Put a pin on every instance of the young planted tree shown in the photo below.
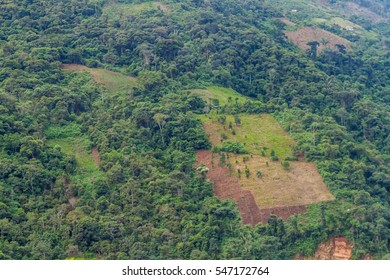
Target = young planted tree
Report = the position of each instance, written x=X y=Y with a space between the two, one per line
x=160 y=119
x=313 y=48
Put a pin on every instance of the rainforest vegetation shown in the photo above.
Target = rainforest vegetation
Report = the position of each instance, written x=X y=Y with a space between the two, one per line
x=97 y=171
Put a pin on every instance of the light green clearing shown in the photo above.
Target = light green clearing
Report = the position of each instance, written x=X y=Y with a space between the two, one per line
x=254 y=133
x=319 y=20
x=224 y=95
x=80 y=148
x=343 y=23
x=113 y=81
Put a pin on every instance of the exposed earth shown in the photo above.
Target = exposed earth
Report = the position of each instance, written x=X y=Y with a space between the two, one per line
x=307 y=34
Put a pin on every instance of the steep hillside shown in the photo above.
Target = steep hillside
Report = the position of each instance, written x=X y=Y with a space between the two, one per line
x=101 y=124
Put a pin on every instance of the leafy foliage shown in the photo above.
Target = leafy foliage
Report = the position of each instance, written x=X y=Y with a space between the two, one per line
x=146 y=201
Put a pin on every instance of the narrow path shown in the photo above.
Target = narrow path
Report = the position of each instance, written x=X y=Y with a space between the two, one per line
x=96 y=156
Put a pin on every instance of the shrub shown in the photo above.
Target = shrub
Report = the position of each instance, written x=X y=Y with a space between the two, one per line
x=286 y=165
x=236 y=148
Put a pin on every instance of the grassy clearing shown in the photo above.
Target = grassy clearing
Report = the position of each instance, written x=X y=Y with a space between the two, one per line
x=271 y=184
x=224 y=95
x=77 y=145
x=343 y=23
x=254 y=133
x=113 y=81
x=80 y=148
x=87 y=170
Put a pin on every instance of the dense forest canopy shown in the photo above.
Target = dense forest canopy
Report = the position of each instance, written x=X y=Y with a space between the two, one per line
x=144 y=199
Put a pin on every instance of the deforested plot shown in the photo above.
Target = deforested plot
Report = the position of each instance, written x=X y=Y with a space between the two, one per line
x=325 y=39
x=253 y=164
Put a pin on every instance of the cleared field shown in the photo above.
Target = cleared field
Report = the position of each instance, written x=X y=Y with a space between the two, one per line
x=79 y=147
x=228 y=186
x=259 y=186
x=301 y=184
x=342 y=23
x=87 y=159
x=113 y=81
x=224 y=95
x=307 y=34
x=116 y=10
x=254 y=133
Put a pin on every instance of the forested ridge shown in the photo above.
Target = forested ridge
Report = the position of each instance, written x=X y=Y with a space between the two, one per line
x=145 y=199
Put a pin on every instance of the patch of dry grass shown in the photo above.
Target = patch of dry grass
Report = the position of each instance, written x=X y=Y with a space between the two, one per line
x=278 y=187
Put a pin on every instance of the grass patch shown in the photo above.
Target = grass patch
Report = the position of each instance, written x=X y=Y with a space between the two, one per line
x=254 y=133
x=319 y=20
x=80 y=148
x=115 y=82
x=223 y=95
x=344 y=23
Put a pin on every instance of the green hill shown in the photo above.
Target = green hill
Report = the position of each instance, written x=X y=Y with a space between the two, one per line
x=101 y=123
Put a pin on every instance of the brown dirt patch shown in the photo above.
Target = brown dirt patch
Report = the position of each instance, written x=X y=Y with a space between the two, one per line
x=338 y=248
x=96 y=156
x=307 y=34
x=226 y=186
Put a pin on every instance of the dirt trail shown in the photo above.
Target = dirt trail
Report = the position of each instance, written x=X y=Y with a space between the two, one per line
x=96 y=156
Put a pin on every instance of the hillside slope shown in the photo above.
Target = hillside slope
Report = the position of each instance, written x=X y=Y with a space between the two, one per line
x=97 y=165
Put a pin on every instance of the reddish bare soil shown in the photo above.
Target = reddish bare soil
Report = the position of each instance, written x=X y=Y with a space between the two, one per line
x=96 y=156
x=338 y=248
x=228 y=187
x=307 y=34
